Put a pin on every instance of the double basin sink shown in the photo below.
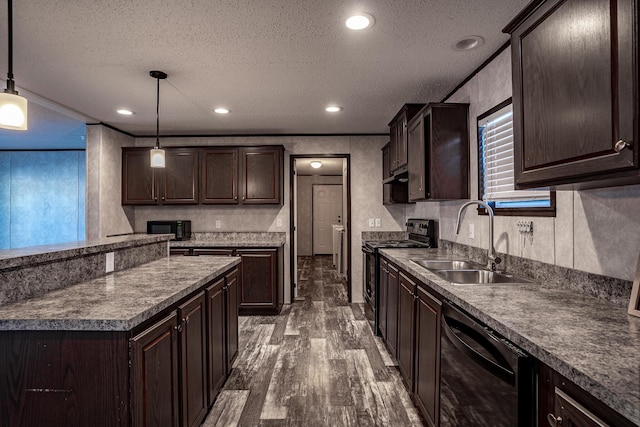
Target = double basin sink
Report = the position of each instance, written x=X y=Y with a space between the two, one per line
x=462 y=272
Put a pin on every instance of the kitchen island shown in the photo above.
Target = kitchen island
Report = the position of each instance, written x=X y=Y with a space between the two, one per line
x=592 y=343
x=143 y=345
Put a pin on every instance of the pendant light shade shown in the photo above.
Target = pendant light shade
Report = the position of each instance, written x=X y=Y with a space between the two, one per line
x=13 y=107
x=157 y=158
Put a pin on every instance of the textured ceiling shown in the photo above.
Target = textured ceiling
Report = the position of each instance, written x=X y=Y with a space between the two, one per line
x=275 y=63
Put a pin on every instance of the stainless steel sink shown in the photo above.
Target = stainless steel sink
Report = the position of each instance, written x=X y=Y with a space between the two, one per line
x=479 y=277
x=445 y=264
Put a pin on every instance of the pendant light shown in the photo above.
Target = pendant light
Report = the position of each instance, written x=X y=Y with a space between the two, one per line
x=13 y=107
x=157 y=153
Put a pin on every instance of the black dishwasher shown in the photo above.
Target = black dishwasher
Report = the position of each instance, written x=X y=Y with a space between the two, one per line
x=484 y=379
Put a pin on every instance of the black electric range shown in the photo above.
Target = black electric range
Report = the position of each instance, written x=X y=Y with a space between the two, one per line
x=421 y=234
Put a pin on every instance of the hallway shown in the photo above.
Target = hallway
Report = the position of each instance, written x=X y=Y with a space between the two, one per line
x=316 y=364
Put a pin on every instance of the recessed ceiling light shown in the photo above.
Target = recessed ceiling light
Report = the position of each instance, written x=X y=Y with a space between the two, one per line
x=316 y=164
x=468 y=43
x=333 y=109
x=222 y=110
x=125 y=112
x=360 y=21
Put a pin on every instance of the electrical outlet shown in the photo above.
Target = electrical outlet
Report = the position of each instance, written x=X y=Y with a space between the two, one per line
x=278 y=222
x=378 y=222
x=218 y=223
x=472 y=231
x=110 y=262
x=372 y=223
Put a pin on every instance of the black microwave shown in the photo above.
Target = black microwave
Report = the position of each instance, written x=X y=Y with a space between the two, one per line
x=181 y=229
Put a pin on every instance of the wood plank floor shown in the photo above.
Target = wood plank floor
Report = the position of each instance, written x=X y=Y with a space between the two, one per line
x=316 y=364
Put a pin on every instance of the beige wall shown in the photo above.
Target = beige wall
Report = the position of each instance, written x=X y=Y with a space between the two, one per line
x=305 y=209
x=104 y=214
x=594 y=230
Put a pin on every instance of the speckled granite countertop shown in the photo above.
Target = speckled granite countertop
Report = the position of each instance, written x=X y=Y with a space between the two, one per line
x=116 y=302
x=233 y=240
x=11 y=258
x=592 y=342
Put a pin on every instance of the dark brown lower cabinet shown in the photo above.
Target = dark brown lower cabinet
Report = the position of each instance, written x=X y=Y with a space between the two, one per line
x=383 y=297
x=406 y=319
x=261 y=282
x=154 y=375
x=232 y=312
x=562 y=403
x=427 y=356
x=393 y=285
x=154 y=366
x=415 y=314
x=193 y=360
x=216 y=338
x=222 y=321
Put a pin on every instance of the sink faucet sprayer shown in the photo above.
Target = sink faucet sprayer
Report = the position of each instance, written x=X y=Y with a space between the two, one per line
x=492 y=258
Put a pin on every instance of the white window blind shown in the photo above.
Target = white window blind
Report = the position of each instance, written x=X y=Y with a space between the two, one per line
x=497 y=160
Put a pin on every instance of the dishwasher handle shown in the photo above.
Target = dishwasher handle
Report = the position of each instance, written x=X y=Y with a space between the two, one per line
x=503 y=372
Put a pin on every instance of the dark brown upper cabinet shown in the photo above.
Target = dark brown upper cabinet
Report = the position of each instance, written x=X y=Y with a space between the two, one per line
x=247 y=175
x=575 y=94
x=439 y=153
x=175 y=184
x=219 y=176
x=393 y=192
x=398 y=135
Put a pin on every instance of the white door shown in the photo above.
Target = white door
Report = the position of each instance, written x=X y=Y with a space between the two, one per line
x=327 y=210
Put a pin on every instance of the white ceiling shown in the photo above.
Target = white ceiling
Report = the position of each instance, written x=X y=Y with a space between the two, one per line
x=275 y=63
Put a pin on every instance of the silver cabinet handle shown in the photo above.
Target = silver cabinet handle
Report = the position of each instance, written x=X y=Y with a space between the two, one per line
x=621 y=145
x=178 y=328
x=554 y=421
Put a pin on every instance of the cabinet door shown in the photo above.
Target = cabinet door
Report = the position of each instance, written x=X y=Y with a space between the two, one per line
x=193 y=368
x=401 y=141
x=154 y=374
x=138 y=179
x=217 y=351
x=446 y=133
x=574 y=414
x=573 y=94
x=383 y=299
x=406 y=315
x=179 y=177
x=219 y=169
x=416 y=164
x=232 y=284
x=427 y=350
x=392 y=310
x=261 y=171
x=258 y=290
x=393 y=146
x=386 y=161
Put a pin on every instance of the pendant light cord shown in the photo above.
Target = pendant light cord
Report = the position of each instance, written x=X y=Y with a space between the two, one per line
x=157 y=113
x=10 y=83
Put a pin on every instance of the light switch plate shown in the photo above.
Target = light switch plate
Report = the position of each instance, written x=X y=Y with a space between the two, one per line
x=218 y=223
x=371 y=223
x=110 y=262
x=377 y=222
x=278 y=222
x=472 y=231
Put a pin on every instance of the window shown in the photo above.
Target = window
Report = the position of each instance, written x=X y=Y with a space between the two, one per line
x=495 y=168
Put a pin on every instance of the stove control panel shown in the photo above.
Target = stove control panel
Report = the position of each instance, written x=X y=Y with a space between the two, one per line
x=422 y=227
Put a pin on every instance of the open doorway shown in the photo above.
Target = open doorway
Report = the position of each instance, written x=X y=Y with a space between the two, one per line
x=321 y=213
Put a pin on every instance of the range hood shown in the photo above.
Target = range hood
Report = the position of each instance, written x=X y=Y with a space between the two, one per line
x=401 y=175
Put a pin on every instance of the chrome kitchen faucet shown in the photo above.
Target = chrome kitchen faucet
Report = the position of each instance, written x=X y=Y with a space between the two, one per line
x=492 y=258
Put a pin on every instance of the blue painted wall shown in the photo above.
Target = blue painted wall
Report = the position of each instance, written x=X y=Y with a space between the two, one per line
x=42 y=197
